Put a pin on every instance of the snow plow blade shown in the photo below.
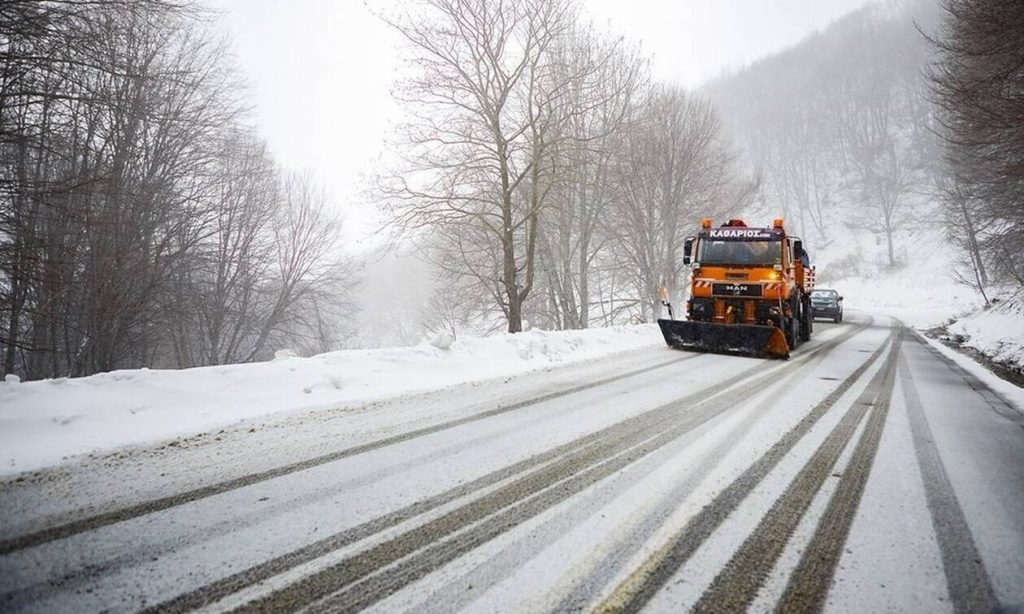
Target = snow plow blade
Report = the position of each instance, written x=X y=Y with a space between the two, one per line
x=740 y=339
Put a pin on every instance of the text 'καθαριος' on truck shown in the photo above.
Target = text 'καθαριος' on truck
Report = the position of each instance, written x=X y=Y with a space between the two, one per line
x=749 y=292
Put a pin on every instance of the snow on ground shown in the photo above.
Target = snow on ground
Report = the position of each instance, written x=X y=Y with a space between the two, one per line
x=1008 y=390
x=925 y=293
x=996 y=331
x=922 y=293
x=43 y=422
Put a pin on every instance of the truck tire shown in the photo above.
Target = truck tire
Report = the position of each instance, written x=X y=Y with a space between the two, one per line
x=793 y=324
x=806 y=319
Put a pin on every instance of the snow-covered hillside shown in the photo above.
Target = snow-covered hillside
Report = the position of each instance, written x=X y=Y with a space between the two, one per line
x=925 y=292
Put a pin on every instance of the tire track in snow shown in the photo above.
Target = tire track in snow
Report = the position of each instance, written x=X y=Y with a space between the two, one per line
x=433 y=550
x=604 y=570
x=970 y=589
x=638 y=589
x=454 y=597
x=90 y=523
x=425 y=546
x=88 y=574
x=561 y=475
x=324 y=546
x=809 y=583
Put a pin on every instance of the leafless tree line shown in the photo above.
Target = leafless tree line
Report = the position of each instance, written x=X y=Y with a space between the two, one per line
x=901 y=115
x=839 y=126
x=978 y=83
x=542 y=170
x=141 y=222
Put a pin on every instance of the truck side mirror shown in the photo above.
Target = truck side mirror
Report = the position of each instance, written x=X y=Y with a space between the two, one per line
x=687 y=251
x=798 y=249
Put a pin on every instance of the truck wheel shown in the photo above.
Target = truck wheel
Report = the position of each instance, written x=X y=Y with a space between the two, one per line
x=806 y=320
x=793 y=324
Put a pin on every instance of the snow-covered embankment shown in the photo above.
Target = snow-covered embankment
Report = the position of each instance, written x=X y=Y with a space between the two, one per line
x=43 y=422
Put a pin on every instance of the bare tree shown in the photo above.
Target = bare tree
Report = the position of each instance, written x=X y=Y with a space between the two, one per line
x=676 y=169
x=600 y=105
x=962 y=221
x=216 y=298
x=306 y=262
x=114 y=139
x=140 y=224
x=484 y=120
x=976 y=84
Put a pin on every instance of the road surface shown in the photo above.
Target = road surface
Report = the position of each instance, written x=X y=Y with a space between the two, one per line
x=866 y=473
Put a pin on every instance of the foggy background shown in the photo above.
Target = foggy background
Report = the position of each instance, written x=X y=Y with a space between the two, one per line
x=321 y=75
x=198 y=183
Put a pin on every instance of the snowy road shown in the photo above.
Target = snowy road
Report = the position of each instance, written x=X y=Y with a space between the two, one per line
x=867 y=473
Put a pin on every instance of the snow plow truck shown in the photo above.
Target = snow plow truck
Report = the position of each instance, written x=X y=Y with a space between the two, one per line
x=749 y=292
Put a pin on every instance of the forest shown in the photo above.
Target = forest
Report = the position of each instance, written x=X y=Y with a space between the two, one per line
x=543 y=175
x=142 y=222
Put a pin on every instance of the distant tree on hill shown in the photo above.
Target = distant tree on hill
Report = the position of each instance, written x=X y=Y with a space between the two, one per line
x=839 y=126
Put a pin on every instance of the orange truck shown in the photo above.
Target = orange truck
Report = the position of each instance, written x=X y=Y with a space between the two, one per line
x=749 y=292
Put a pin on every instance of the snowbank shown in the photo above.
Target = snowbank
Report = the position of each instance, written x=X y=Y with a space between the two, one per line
x=45 y=421
x=996 y=331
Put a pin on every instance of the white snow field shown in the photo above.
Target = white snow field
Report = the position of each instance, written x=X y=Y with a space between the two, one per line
x=925 y=293
x=867 y=473
x=101 y=413
x=43 y=422
x=996 y=332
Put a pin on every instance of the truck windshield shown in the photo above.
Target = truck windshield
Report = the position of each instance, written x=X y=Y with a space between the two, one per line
x=740 y=253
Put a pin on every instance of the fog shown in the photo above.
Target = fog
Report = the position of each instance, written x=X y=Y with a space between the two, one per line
x=205 y=182
x=321 y=72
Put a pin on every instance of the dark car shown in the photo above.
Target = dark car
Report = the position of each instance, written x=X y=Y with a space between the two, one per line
x=826 y=303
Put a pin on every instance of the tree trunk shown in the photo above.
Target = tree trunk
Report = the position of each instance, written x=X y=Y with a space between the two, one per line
x=972 y=246
x=584 y=283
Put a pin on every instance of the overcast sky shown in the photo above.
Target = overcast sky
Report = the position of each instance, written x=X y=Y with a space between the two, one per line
x=321 y=70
